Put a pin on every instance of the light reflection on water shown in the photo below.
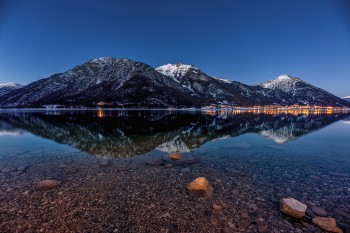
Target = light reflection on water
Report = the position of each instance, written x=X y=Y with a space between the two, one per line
x=129 y=133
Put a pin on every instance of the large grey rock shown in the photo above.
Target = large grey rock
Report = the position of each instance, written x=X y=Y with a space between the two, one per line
x=292 y=207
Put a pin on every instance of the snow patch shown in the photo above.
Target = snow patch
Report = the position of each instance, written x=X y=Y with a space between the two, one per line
x=174 y=70
x=188 y=86
x=285 y=83
x=10 y=85
x=222 y=80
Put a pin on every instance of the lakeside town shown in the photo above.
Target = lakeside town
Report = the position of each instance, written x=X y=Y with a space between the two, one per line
x=255 y=108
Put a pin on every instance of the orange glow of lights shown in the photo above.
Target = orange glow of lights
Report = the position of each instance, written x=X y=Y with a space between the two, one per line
x=100 y=113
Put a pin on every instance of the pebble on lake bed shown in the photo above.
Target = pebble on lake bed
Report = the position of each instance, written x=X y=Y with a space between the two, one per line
x=175 y=156
x=292 y=207
x=47 y=184
x=186 y=159
x=7 y=170
x=328 y=224
x=201 y=184
x=319 y=211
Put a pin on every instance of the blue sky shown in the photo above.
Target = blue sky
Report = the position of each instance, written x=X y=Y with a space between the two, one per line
x=249 y=40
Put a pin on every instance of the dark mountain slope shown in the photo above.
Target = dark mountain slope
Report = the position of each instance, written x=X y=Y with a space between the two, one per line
x=130 y=84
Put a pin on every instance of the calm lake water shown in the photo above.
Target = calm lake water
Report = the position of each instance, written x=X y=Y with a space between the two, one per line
x=114 y=177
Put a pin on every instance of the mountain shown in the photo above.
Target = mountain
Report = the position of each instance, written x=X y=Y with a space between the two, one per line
x=208 y=90
x=6 y=88
x=120 y=82
x=347 y=98
x=125 y=83
x=299 y=92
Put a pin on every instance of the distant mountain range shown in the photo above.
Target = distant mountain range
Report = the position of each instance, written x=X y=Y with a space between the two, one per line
x=6 y=88
x=129 y=84
x=347 y=98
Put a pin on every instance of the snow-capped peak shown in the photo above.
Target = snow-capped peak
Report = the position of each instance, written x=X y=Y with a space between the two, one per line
x=284 y=82
x=109 y=60
x=100 y=59
x=10 y=84
x=103 y=60
x=346 y=97
x=8 y=87
x=284 y=77
x=174 y=70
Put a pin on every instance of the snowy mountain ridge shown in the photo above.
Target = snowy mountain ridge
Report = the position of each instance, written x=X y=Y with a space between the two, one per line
x=11 y=84
x=125 y=83
x=6 y=88
x=222 y=80
x=175 y=71
x=284 y=82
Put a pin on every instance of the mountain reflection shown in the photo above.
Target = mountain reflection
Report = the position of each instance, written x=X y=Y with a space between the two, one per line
x=129 y=133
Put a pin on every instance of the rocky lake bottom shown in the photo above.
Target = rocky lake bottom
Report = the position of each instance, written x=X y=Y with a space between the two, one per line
x=148 y=193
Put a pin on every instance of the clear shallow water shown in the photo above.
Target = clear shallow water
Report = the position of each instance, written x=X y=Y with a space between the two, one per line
x=252 y=161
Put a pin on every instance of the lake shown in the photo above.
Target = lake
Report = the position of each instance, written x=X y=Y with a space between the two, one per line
x=114 y=173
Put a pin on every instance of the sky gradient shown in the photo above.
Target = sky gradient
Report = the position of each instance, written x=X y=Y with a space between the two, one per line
x=250 y=41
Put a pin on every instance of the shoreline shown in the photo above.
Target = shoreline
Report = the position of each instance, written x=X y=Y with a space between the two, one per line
x=226 y=110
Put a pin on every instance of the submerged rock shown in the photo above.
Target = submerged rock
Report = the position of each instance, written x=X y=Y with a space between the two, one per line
x=185 y=170
x=245 y=215
x=342 y=212
x=7 y=170
x=214 y=221
x=156 y=162
x=104 y=164
x=200 y=185
x=292 y=207
x=47 y=184
x=166 y=215
x=23 y=168
x=168 y=165
x=339 y=174
x=175 y=156
x=309 y=213
x=328 y=224
x=217 y=207
x=184 y=160
x=319 y=211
